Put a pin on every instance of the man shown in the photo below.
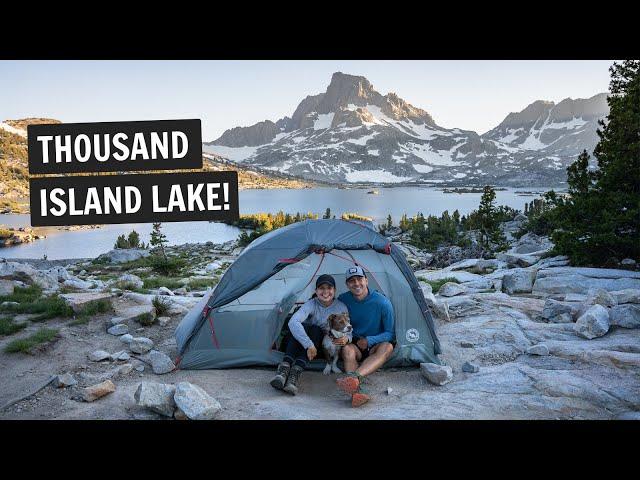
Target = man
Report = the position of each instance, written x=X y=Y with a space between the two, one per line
x=371 y=315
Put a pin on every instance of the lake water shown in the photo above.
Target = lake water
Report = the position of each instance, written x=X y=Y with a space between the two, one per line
x=395 y=201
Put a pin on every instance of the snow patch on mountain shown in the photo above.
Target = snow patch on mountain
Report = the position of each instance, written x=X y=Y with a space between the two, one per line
x=374 y=176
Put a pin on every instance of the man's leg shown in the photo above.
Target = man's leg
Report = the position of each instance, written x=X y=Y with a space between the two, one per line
x=350 y=355
x=380 y=353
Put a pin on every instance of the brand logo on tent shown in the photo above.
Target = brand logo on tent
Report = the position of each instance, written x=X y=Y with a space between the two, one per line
x=413 y=335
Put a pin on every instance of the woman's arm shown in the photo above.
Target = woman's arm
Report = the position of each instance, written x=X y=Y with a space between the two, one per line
x=295 y=324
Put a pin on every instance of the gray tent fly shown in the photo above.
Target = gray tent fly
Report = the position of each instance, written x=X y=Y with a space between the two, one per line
x=240 y=323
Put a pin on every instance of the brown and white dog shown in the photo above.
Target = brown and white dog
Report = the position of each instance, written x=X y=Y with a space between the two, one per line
x=338 y=326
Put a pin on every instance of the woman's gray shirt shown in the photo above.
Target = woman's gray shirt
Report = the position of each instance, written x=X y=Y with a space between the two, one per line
x=313 y=313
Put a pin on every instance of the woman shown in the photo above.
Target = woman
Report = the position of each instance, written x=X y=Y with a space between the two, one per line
x=307 y=338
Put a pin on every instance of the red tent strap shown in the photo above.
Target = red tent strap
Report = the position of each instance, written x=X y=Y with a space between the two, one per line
x=288 y=260
x=213 y=330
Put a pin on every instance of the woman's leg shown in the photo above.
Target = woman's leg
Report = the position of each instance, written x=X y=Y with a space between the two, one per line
x=296 y=354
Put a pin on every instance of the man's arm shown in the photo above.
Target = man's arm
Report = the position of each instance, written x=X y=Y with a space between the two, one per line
x=295 y=324
x=388 y=332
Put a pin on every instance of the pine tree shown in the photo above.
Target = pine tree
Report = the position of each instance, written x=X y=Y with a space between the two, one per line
x=389 y=222
x=327 y=213
x=158 y=239
x=578 y=175
x=600 y=223
x=487 y=221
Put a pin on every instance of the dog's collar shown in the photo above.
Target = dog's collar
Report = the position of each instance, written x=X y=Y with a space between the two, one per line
x=337 y=334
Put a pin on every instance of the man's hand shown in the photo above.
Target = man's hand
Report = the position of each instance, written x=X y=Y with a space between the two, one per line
x=312 y=352
x=342 y=341
x=362 y=343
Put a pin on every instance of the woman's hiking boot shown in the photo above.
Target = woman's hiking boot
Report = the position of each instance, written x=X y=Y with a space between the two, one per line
x=280 y=378
x=293 y=379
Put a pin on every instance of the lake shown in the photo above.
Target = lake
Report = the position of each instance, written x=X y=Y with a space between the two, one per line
x=395 y=201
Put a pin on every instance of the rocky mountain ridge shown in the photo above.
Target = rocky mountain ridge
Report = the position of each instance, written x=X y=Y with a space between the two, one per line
x=352 y=133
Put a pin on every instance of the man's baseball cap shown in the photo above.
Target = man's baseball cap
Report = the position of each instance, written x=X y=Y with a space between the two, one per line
x=325 y=279
x=354 y=272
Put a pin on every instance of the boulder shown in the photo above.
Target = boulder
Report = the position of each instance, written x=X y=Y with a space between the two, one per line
x=195 y=402
x=436 y=374
x=119 y=329
x=212 y=267
x=539 y=349
x=629 y=262
x=518 y=280
x=23 y=271
x=482 y=284
x=469 y=367
x=140 y=344
x=555 y=311
x=157 y=397
x=517 y=259
x=79 y=301
x=126 y=338
x=626 y=315
x=97 y=391
x=129 y=279
x=160 y=362
x=599 y=296
x=7 y=286
x=451 y=289
x=78 y=284
x=99 y=356
x=629 y=295
x=120 y=356
x=593 y=323
x=564 y=280
x=123 y=255
x=125 y=369
x=65 y=380
x=163 y=321
x=530 y=242
x=165 y=291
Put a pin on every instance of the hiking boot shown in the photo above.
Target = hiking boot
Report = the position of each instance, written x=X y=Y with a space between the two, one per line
x=281 y=375
x=359 y=398
x=293 y=379
x=349 y=384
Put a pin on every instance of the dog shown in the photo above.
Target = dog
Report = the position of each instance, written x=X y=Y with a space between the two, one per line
x=338 y=326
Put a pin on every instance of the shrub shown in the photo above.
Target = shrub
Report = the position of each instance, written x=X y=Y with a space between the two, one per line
x=436 y=284
x=7 y=326
x=161 y=304
x=25 y=345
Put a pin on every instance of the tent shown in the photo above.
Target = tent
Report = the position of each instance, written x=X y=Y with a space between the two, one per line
x=241 y=321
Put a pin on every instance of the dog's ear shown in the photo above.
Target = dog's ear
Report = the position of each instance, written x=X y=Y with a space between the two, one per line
x=330 y=319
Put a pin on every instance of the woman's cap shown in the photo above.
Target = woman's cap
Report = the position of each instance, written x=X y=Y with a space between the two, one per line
x=325 y=279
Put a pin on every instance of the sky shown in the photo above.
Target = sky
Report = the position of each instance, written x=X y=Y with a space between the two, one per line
x=471 y=95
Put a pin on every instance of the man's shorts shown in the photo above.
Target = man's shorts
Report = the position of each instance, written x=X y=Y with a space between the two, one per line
x=365 y=353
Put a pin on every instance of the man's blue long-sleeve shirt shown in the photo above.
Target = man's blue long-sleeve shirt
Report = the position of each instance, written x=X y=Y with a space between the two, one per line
x=371 y=318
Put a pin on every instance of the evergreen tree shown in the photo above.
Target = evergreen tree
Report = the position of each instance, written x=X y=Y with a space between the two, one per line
x=327 y=213
x=599 y=224
x=389 y=222
x=158 y=239
x=578 y=175
x=134 y=239
x=487 y=219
